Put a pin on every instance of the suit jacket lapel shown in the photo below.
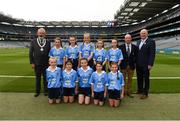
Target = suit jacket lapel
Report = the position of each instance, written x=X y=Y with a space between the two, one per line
x=144 y=43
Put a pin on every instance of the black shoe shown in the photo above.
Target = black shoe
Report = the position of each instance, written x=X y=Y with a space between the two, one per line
x=45 y=94
x=144 y=97
x=36 y=95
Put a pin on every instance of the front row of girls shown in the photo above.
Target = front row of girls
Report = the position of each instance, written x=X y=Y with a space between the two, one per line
x=85 y=82
x=86 y=50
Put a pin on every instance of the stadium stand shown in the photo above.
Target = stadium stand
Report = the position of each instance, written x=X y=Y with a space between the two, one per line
x=160 y=17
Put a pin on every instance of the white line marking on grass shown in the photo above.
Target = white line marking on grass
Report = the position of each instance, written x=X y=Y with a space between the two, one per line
x=14 y=76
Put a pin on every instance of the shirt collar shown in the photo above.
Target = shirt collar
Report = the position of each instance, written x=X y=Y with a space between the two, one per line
x=57 y=48
x=73 y=47
x=143 y=40
x=86 y=69
x=114 y=49
x=87 y=44
x=99 y=73
x=113 y=73
x=51 y=70
x=100 y=49
x=68 y=72
x=128 y=44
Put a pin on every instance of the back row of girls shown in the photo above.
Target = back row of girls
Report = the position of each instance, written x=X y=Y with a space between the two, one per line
x=85 y=82
x=86 y=50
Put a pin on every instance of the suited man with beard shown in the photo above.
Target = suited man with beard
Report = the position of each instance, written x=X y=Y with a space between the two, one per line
x=38 y=56
x=145 y=61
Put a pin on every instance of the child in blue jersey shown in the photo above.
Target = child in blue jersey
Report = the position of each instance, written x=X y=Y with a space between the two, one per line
x=115 y=85
x=114 y=54
x=72 y=52
x=58 y=52
x=100 y=54
x=86 y=50
x=69 y=78
x=99 y=85
x=53 y=77
x=84 y=74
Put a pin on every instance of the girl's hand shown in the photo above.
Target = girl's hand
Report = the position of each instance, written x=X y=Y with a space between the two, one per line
x=122 y=96
x=33 y=66
x=104 y=95
x=92 y=95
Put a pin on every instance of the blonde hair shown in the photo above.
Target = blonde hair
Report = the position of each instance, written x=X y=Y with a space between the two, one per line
x=87 y=34
x=52 y=58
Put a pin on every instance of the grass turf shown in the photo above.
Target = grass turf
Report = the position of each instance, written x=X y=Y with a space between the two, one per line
x=16 y=62
x=23 y=106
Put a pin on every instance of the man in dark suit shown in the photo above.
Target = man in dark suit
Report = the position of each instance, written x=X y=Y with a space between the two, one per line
x=38 y=56
x=145 y=61
x=128 y=64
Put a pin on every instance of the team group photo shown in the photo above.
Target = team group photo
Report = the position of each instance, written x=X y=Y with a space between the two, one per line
x=90 y=60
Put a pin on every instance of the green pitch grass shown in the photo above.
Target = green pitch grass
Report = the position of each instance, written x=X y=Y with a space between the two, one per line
x=23 y=106
x=16 y=62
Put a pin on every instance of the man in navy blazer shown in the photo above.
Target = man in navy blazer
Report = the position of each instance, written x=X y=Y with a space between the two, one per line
x=128 y=64
x=145 y=61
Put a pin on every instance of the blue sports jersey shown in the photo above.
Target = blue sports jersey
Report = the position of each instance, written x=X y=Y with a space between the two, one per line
x=58 y=53
x=69 y=79
x=53 y=77
x=84 y=77
x=114 y=82
x=99 y=81
x=114 y=55
x=72 y=52
x=100 y=55
x=86 y=49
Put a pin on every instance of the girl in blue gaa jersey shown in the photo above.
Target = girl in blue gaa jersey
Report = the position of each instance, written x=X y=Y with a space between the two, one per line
x=53 y=77
x=86 y=50
x=100 y=54
x=58 y=52
x=99 y=85
x=69 y=77
x=115 y=85
x=72 y=52
x=114 y=54
x=84 y=74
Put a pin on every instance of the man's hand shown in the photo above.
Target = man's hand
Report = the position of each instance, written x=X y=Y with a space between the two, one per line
x=149 y=67
x=33 y=66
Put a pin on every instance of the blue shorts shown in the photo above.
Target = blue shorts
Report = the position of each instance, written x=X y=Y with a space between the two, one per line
x=99 y=96
x=114 y=94
x=68 y=91
x=53 y=93
x=86 y=91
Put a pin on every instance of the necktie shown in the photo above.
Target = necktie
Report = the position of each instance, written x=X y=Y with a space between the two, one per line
x=128 y=50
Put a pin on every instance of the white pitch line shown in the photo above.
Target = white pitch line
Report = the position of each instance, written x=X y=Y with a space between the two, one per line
x=13 y=76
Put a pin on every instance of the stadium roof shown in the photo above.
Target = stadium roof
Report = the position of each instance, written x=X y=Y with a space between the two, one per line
x=135 y=11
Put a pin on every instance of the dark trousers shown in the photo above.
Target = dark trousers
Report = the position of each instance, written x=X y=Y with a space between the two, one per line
x=91 y=63
x=142 y=80
x=41 y=70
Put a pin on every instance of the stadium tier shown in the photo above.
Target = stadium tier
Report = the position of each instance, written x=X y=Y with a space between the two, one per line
x=160 y=17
